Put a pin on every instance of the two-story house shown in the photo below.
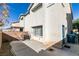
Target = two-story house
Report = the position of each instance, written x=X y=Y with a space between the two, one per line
x=49 y=23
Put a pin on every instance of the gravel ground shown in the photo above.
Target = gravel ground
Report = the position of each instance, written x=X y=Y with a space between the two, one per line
x=5 y=50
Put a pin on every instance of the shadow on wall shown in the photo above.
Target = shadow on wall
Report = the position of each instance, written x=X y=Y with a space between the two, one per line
x=69 y=22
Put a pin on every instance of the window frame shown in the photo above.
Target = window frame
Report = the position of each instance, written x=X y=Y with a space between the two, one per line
x=36 y=29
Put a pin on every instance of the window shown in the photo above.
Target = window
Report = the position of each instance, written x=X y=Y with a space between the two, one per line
x=21 y=29
x=38 y=31
x=37 y=7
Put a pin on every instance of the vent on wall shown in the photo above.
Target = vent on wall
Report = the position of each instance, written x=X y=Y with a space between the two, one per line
x=50 y=4
x=21 y=18
x=37 y=7
x=63 y=5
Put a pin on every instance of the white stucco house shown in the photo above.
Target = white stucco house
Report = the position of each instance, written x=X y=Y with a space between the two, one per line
x=48 y=23
x=17 y=26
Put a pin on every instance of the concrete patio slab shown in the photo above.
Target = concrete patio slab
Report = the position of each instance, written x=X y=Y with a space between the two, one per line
x=20 y=49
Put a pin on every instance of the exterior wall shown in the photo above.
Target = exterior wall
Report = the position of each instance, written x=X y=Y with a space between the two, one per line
x=57 y=16
x=27 y=23
x=15 y=29
x=18 y=25
x=67 y=7
x=22 y=22
x=37 y=19
x=69 y=22
x=68 y=16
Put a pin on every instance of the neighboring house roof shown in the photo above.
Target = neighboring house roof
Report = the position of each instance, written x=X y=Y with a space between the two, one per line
x=18 y=24
x=15 y=25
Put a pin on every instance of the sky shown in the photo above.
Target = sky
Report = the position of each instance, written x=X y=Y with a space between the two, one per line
x=15 y=9
x=75 y=10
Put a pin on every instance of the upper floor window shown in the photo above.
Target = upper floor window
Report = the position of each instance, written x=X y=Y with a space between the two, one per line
x=38 y=6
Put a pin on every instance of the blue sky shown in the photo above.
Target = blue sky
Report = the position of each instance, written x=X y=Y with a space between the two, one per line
x=75 y=10
x=15 y=9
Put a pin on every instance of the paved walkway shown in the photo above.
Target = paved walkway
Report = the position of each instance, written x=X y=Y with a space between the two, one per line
x=20 y=49
x=35 y=45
